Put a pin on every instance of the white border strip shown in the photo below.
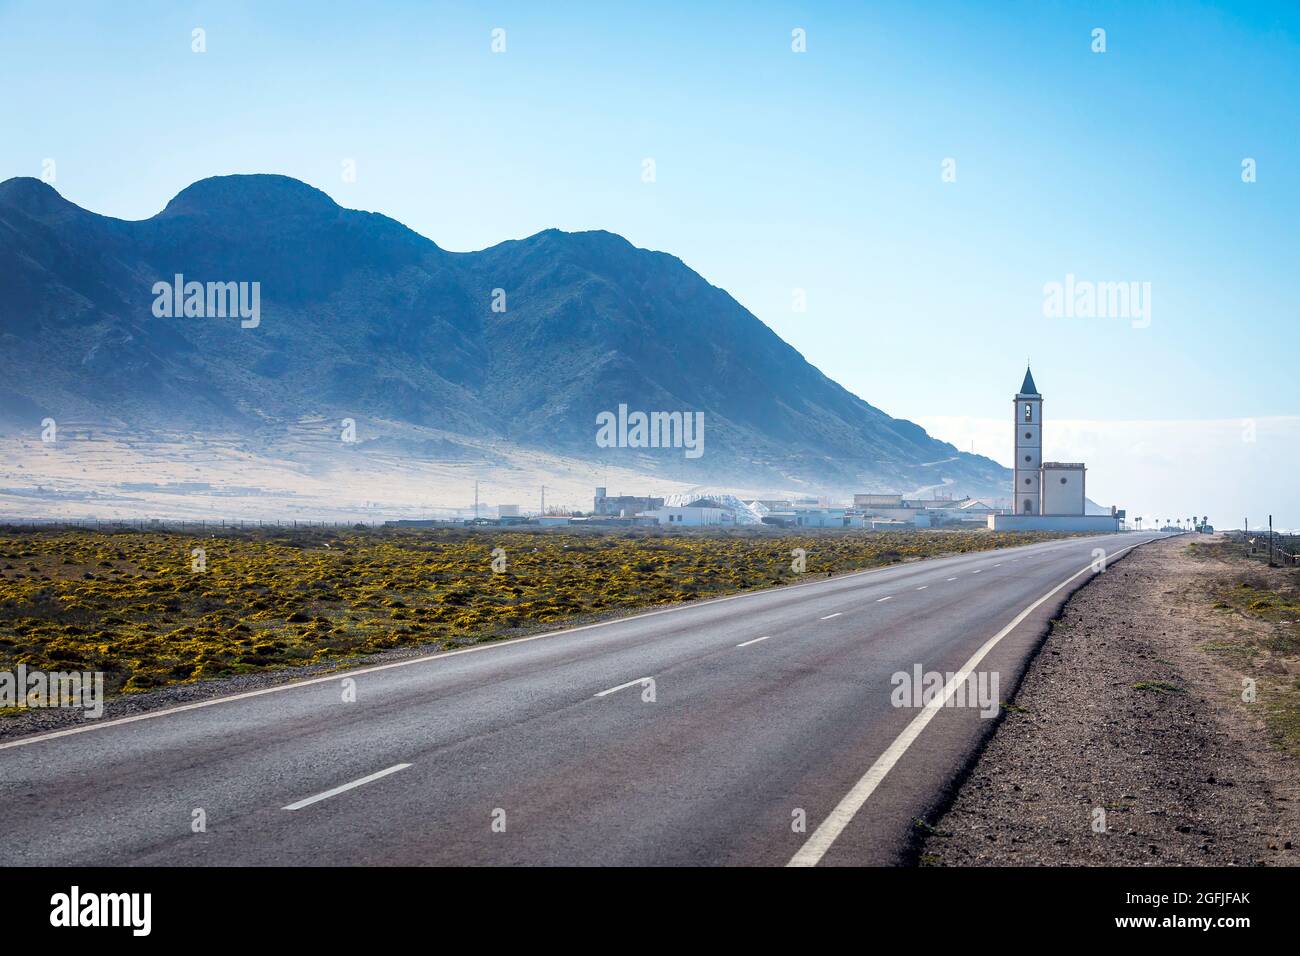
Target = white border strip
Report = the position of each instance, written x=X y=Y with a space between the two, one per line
x=811 y=853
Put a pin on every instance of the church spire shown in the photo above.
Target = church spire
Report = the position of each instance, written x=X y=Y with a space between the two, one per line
x=1028 y=388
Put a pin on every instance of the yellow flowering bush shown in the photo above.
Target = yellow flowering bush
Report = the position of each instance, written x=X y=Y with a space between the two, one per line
x=130 y=603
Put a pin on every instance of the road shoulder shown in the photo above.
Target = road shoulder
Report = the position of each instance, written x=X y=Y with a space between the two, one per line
x=1131 y=717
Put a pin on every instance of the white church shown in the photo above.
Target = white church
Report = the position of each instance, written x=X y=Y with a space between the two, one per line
x=1046 y=495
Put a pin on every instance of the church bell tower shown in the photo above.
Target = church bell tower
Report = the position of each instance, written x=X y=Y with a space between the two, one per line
x=1028 y=409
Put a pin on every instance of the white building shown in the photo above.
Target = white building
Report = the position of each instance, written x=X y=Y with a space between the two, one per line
x=1041 y=488
x=1027 y=496
x=626 y=505
x=1047 y=496
x=684 y=516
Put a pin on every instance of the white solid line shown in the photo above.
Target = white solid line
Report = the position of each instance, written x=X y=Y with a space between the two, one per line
x=639 y=680
x=815 y=848
x=886 y=598
x=754 y=641
x=923 y=587
x=829 y=616
x=477 y=649
x=347 y=786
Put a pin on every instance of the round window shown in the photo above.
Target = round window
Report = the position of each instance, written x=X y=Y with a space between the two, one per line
x=1029 y=434
x=1026 y=481
x=1062 y=481
x=1026 y=458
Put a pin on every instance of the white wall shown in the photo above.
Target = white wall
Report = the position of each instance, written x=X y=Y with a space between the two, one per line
x=1053 y=523
x=1063 y=491
x=682 y=517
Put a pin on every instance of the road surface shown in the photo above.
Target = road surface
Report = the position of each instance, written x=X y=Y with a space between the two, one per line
x=695 y=735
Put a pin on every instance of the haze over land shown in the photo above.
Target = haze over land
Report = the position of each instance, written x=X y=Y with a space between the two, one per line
x=363 y=320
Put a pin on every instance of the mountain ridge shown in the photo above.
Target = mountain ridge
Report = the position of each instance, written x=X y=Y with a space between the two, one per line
x=362 y=315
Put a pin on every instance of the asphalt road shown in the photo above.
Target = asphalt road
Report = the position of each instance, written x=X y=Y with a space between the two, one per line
x=766 y=708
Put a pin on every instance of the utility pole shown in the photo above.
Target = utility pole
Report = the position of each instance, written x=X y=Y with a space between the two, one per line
x=542 y=513
x=1270 y=541
x=476 y=499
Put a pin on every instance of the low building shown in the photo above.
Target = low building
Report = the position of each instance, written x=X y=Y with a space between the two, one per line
x=686 y=516
x=854 y=519
x=548 y=521
x=818 y=517
x=869 y=502
x=623 y=505
x=806 y=518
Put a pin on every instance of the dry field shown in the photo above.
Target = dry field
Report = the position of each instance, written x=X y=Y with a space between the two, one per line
x=151 y=608
x=1259 y=612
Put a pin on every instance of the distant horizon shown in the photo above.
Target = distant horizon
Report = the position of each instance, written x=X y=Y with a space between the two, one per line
x=893 y=199
x=1072 y=440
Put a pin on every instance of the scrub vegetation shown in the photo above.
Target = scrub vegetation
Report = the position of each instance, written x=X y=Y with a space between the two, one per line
x=152 y=608
x=1260 y=608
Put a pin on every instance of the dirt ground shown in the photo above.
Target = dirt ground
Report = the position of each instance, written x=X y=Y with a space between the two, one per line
x=1131 y=721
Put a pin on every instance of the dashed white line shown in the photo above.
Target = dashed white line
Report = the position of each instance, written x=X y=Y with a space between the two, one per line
x=923 y=587
x=952 y=579
x=639 y=680
x=754 y=641
x=307 y=802
x=977 y=571
x=885 y=598
x=997 y=565
x=829 y=616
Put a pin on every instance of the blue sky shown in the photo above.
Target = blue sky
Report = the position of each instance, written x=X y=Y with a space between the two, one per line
x=775 y=171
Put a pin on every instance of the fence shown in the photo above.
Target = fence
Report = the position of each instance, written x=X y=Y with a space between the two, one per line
x=1285 y=548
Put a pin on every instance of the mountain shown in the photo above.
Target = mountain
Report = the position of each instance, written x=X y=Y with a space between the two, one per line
x=360 y=317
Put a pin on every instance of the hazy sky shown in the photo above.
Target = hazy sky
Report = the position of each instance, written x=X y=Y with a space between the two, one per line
x=774 y=170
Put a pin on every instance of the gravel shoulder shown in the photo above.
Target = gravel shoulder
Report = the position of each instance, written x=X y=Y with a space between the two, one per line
x=1132 y=717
